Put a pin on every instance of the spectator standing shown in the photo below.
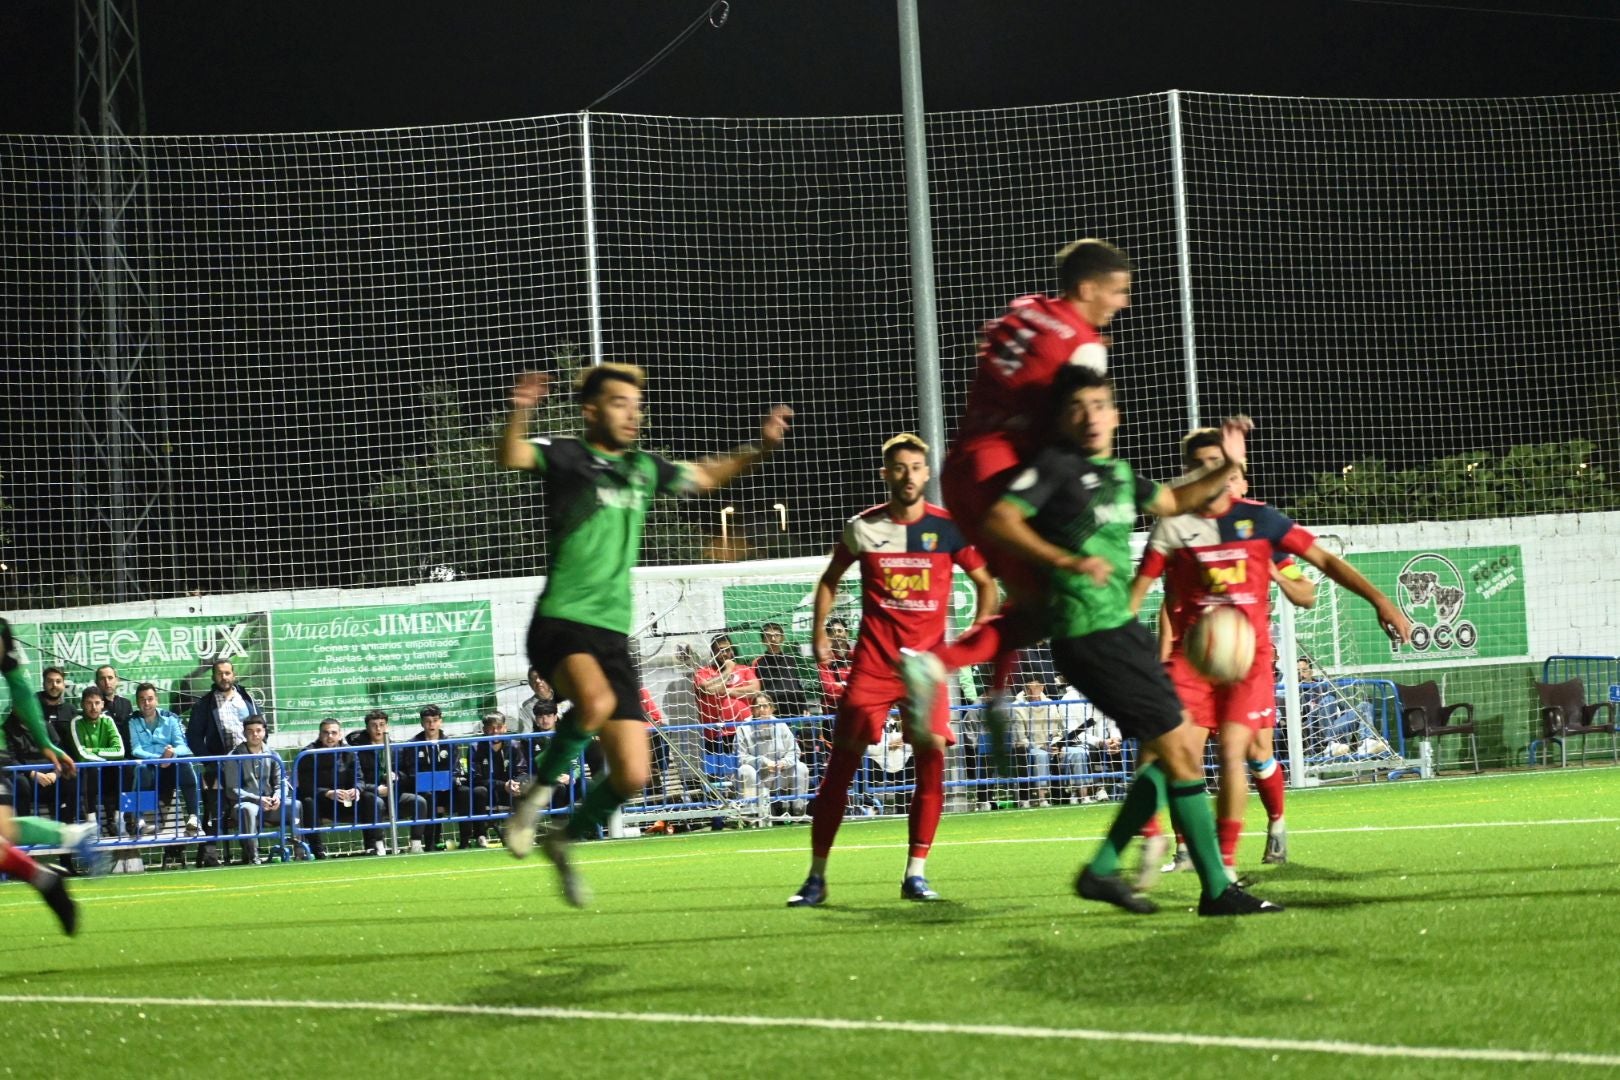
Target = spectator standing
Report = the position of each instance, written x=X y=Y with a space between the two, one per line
x=54 y=703
x=215 y=730
x=778 y=672
x=724 y=689
x=541 y=703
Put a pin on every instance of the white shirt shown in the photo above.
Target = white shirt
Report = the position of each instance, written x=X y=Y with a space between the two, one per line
x=232 y=709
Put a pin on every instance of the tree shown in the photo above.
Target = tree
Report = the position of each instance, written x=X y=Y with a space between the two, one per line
x=1546 y=478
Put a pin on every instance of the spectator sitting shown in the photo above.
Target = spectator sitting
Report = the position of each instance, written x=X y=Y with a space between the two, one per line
x=257 y=787
x=329 y=785
x=833 y=674
x=429 y=752
x=381 y=781
x=723 y=691
x=890 y=767
x=497 y=771
x=768 y=757
x=39 y=792
x=1328 y=719
x=56 y=706
x=1038 y=730
x=95 y=739
x=156 y=739
x=1091 y=745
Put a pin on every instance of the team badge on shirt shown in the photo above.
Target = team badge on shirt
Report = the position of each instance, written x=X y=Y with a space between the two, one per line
x=1244 y=529
x=930 y=541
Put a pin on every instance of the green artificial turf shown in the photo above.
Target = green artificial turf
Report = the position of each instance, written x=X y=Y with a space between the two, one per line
x=1466 y=913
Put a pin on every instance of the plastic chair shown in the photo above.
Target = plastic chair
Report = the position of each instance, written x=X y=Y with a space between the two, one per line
x=1424 y=715
x=1564 y=712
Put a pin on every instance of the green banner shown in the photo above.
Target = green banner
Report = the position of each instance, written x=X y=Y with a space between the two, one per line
x=345 y=661
x=175 y=654
x=1464 y=603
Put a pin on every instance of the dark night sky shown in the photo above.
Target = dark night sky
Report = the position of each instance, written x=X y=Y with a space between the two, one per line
x=295 y=65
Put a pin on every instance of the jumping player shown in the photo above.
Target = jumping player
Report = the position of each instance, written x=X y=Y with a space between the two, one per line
x=1006 y=422
x=599 y=488
x=15 y=831
x=1225 y=553
x=906 y=549
x=1071 y=512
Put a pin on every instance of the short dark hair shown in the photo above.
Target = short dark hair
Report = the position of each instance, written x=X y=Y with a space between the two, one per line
x=430 y=710
x=756 y=695
x=89 y=692
x=767 y=627
x=1075 y=377
x=254 y=718
x=1199 y=439
x=334 y=721
x=106 y=667
x=53 y=670
x=714 y=642
x=144 y=687
x=376 y=714
x=494 y=716
x=590 y=380
x=837 y=620
x=1086 y=259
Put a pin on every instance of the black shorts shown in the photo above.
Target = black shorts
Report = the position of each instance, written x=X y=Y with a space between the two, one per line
x=551 y=640
x=1119 y=672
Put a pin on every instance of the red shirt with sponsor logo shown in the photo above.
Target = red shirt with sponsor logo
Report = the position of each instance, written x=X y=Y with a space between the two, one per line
x=1224 y=559
x=906 y=570
x=1020 y=353
x=723 y=710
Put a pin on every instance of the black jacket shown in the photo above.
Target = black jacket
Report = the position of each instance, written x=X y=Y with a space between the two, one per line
x=204 y=734
x=321 y=773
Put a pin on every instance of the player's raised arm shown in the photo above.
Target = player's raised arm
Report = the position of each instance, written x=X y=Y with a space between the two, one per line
x=985 y=593
x=826 y=595
x=1298 y=589
x=722 y=469
x=514 y=451
x=1393 y=619
x=1008 y=525
x=1196 y=488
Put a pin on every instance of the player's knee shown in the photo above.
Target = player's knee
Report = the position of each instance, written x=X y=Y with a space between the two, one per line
x=629 y=779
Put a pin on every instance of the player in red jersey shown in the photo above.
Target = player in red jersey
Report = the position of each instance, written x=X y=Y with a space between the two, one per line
x=906 y=548
x=1008 y=413
x=1227 y=554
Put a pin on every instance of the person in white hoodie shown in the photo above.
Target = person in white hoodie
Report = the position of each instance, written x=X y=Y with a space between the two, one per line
x=768 y=756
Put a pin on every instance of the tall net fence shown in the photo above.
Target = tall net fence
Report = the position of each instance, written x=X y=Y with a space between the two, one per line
x=1414 y=299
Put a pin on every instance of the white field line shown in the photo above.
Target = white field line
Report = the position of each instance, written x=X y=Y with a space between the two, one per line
x=816 y=1023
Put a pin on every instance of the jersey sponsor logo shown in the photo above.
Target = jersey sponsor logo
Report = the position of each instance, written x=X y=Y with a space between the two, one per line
x=1024 y=480
x=1218 y=579
x=900 y=584
x=1033 y=314
x=621 y=498
x=908 y=562
x=1091 y=481
x=1206 y=555
x=1123 y=513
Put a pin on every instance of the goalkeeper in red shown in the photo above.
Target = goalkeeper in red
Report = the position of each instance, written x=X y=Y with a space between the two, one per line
x=36 y=831
x=1223 y=554
x=1007 y=421
x=906 y=548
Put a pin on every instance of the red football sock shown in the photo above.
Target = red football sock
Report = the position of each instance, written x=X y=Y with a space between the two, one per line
x=15 y=862
x=1271 y=783
x=1152 y=828
x=1227 y=830
x=1006 y=664
x=831 y=798
x=927 y=801
x=991 y=640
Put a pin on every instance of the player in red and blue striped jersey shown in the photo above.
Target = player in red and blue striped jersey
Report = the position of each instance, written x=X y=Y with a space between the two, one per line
x=1227 y=553
x=907 y=550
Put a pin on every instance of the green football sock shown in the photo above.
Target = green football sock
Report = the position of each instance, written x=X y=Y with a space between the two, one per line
x=1193 y=819
x=35 y=830
x=594 y=812
x=562 y=752
x=1141 y=803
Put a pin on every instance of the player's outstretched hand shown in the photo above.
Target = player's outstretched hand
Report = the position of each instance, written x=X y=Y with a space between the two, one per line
x=1235 y=439
x=1395 y=622
x=774 y=428
x=529 y=389
x=820 y=645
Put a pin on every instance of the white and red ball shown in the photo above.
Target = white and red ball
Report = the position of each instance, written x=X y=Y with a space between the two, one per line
x=1220 y=645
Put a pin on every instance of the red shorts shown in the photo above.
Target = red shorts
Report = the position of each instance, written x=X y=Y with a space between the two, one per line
x=867 y=702
x=971 y=482
x=1252 y=702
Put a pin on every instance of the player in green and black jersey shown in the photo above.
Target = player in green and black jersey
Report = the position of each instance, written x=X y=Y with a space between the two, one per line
x=16 y=831
x=599 y=488
x=1071 y=513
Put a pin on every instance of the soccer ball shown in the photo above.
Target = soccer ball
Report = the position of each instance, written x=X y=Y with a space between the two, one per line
x=1220 y=645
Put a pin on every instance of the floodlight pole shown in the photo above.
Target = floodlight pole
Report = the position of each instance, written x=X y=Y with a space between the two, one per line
x=593 y=274
x=919 y=219
x=1189 y=343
